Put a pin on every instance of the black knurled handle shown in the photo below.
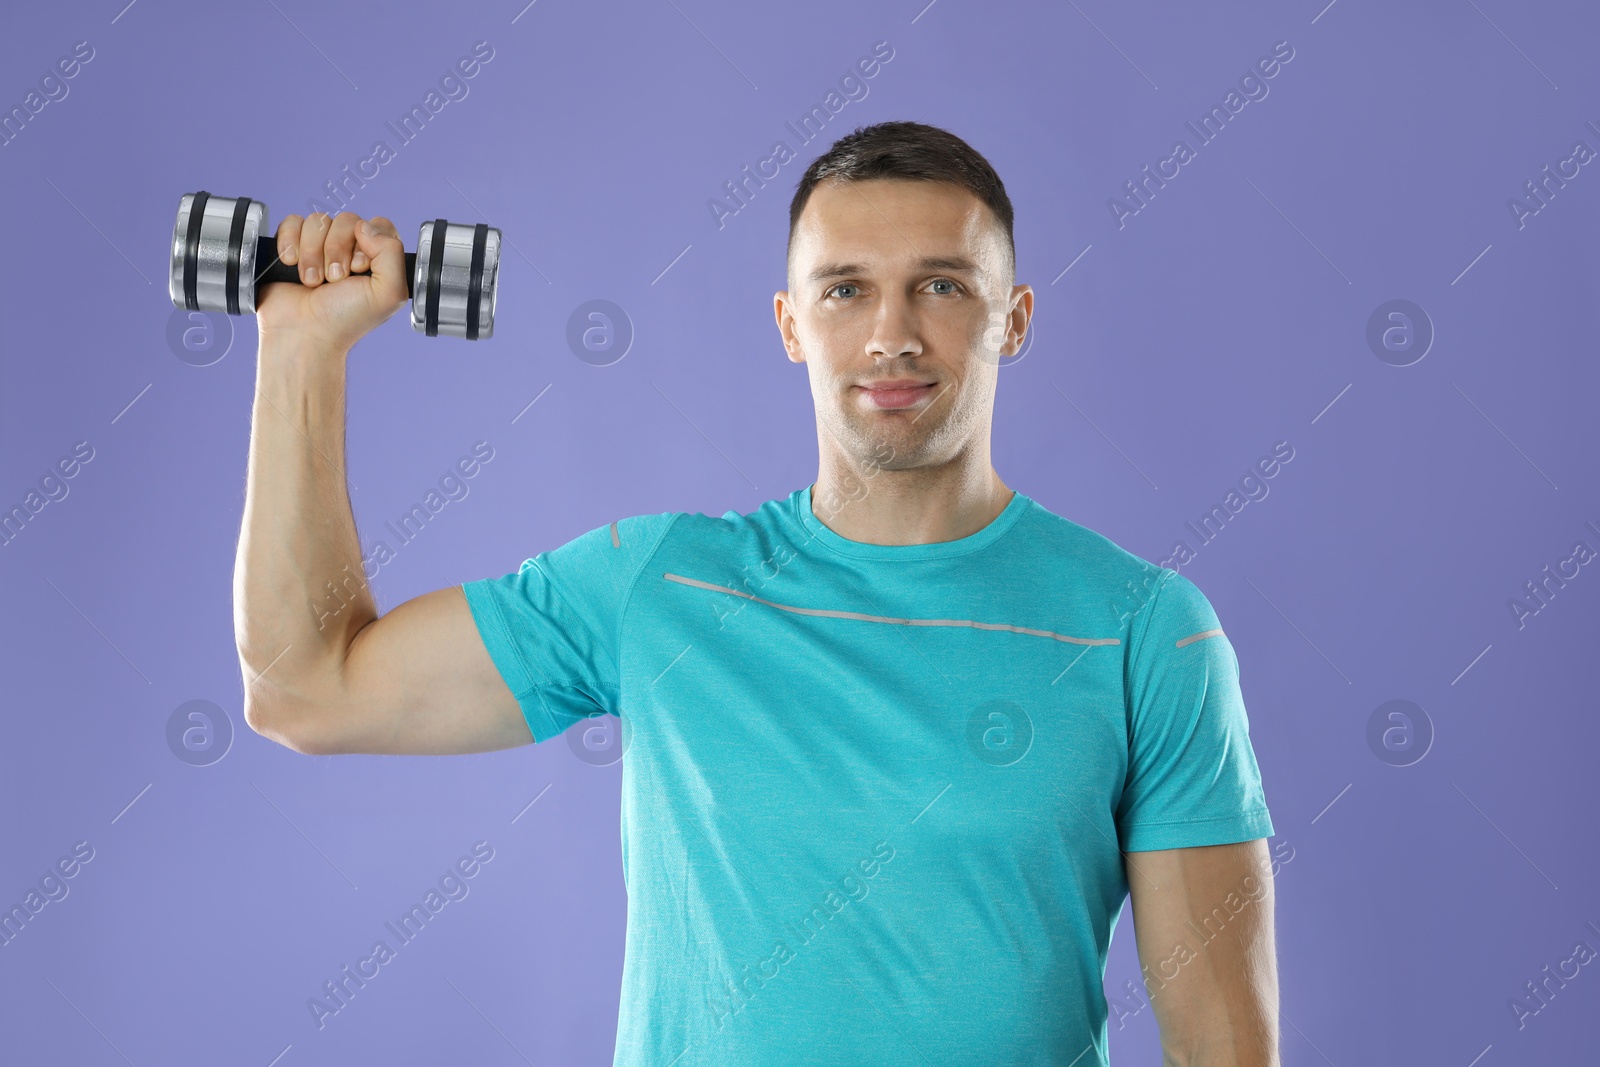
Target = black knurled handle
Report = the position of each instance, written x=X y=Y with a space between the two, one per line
x=278 y=271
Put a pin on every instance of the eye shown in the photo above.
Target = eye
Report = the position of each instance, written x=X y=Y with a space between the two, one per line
x=841 y=285
x=945 y=281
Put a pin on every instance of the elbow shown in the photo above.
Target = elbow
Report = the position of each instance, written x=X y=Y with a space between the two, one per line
x=295 y=708
x=291 y=730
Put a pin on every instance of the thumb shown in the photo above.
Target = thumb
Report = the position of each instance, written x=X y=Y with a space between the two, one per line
x=379 y=240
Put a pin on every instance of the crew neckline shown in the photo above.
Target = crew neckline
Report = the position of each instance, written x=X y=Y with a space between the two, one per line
x=800 y=501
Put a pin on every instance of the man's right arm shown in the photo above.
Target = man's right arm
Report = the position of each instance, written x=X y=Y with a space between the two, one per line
x=323 y=672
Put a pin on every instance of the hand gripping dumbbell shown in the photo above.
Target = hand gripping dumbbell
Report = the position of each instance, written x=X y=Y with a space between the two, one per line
x=221 y=253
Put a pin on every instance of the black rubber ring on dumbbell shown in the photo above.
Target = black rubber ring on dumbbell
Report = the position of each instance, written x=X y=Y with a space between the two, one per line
x=191 y=251
x=480 y=242
x=430 y=304
x=241 y=208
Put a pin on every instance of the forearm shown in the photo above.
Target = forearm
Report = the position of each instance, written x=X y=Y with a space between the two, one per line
x=299 y=593
x=1242 y=1043
x=1220 y=1010
x=1204 y=919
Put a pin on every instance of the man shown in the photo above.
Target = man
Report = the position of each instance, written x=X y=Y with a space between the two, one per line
x=897 y=746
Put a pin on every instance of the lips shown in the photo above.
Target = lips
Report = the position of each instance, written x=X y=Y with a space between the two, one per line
x=900 y=393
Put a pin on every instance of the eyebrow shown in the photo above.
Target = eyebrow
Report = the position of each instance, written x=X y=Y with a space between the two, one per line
x=954 y=264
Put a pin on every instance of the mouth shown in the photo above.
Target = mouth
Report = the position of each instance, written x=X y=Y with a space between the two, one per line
x=897 y=394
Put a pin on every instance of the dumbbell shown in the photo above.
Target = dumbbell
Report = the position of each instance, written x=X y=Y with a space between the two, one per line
x=221 y=253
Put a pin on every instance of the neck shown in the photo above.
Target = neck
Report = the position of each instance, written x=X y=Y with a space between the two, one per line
x=863 y=502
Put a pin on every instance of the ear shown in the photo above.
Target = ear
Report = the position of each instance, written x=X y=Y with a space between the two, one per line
x=785 y=320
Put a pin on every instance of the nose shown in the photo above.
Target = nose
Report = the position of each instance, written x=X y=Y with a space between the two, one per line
x=895 y=330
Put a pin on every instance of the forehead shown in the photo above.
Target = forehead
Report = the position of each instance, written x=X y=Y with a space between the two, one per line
x=890 y=222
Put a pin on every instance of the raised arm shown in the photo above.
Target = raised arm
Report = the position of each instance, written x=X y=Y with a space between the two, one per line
x=1203 y=923
x=323 y=672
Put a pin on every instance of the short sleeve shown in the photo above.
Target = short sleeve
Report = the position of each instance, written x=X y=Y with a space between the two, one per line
x=552 y=627
x=1192 y=775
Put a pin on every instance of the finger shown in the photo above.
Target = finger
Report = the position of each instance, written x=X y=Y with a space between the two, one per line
x=381 y=243
x=312 y=233
x=360 y=260
x=289 y=239
x=338 y=245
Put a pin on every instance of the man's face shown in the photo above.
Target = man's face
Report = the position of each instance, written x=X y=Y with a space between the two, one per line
x=901 y=280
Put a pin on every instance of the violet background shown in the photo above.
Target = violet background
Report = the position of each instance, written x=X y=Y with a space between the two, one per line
x=1229 y=314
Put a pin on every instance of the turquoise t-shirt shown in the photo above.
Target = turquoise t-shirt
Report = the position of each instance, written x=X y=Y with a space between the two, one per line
x=873 y=796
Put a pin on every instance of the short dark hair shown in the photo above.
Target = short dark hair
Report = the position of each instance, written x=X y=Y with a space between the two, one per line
x=907 y=151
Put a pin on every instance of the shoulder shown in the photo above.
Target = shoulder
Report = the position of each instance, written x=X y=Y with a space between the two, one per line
x=1180 y=627
x=1159 y=606
x=1098 y=559
x=719 y=533
x=615 y=549
x=637 y=532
